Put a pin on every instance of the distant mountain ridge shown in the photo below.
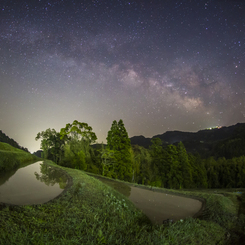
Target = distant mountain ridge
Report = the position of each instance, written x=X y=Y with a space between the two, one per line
x=205 y=135
x=201 y=141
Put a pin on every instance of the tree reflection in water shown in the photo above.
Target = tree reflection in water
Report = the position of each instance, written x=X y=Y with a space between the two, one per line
x=51 y=176
x=6 y=176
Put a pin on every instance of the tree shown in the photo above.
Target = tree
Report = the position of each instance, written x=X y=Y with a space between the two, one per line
x=143 y=161
x=78 y=131
x=241 y=172
x=174 y=175
x=212 y=173
x=118 y=141
x=185 y=166
x=157 y=166
x=51 y=144
x=135 y=160
x=199 y=173
x=107 y=161
x=78 y=137
x=94 y=161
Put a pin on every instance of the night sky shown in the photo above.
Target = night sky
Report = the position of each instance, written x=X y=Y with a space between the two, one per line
x=158 y=65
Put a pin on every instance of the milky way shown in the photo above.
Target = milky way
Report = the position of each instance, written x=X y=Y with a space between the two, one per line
x=158 y=65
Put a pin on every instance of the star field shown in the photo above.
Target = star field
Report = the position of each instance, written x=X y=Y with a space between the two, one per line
x=158 y=65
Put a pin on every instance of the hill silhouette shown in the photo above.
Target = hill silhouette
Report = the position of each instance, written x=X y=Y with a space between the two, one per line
x=5 y=139
x=223 y=141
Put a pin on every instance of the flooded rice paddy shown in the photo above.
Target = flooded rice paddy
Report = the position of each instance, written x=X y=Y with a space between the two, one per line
x=157 y=206
x=34 y=184
x=39 y=183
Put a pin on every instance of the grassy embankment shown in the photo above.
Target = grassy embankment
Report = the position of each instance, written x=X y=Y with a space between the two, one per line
x=91 y=212
x=225 y=207
x=13 y=158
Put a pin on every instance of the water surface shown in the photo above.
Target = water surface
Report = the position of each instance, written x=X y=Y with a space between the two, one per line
x=157 y=206
x=34 y=184
x=161 y=206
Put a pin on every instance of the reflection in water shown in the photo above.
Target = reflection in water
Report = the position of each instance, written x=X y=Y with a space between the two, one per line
x=6 y=175
x=161 y=206
x=34 y=184
x=156 y=205
x=120 y=187
x=51 y=176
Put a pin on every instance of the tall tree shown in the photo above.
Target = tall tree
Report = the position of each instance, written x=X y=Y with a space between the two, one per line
x=174 y=175
x=144 y=159
x=118 y=141
x=157 y=164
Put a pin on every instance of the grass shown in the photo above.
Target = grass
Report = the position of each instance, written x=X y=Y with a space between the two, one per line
x=90 y=212
x=12 y=158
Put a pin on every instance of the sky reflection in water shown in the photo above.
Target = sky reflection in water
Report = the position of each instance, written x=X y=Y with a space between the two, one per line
x=156 y=205
x=34 y=184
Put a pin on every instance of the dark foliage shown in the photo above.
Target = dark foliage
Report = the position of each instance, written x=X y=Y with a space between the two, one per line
x=5 y=139
x=38 y=153
x=221 y=163
x=233 y=146
x=225 y=142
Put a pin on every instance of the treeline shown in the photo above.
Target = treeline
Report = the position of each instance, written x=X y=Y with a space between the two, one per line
x=5 y=139
x=71 y=147
x=233 y=146
x=173 y=167
x=162 y=166
x=226 y=142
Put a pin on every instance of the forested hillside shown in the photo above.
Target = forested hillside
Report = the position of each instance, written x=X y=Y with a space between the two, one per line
x=163 y=165
x=225 y=142
x=5 y=139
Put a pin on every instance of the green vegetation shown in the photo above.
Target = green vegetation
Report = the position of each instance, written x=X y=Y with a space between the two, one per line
x=168 y=166
x=232 y=146
x=119 y=143
x=227 y=208
x=5 y=139
x=70 y=147
x=78 y=137
x=51 y=144
x=12 y=158
x=93 y=213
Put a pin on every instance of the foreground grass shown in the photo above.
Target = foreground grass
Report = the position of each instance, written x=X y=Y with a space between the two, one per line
x=12 y=158
x=93 y=213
